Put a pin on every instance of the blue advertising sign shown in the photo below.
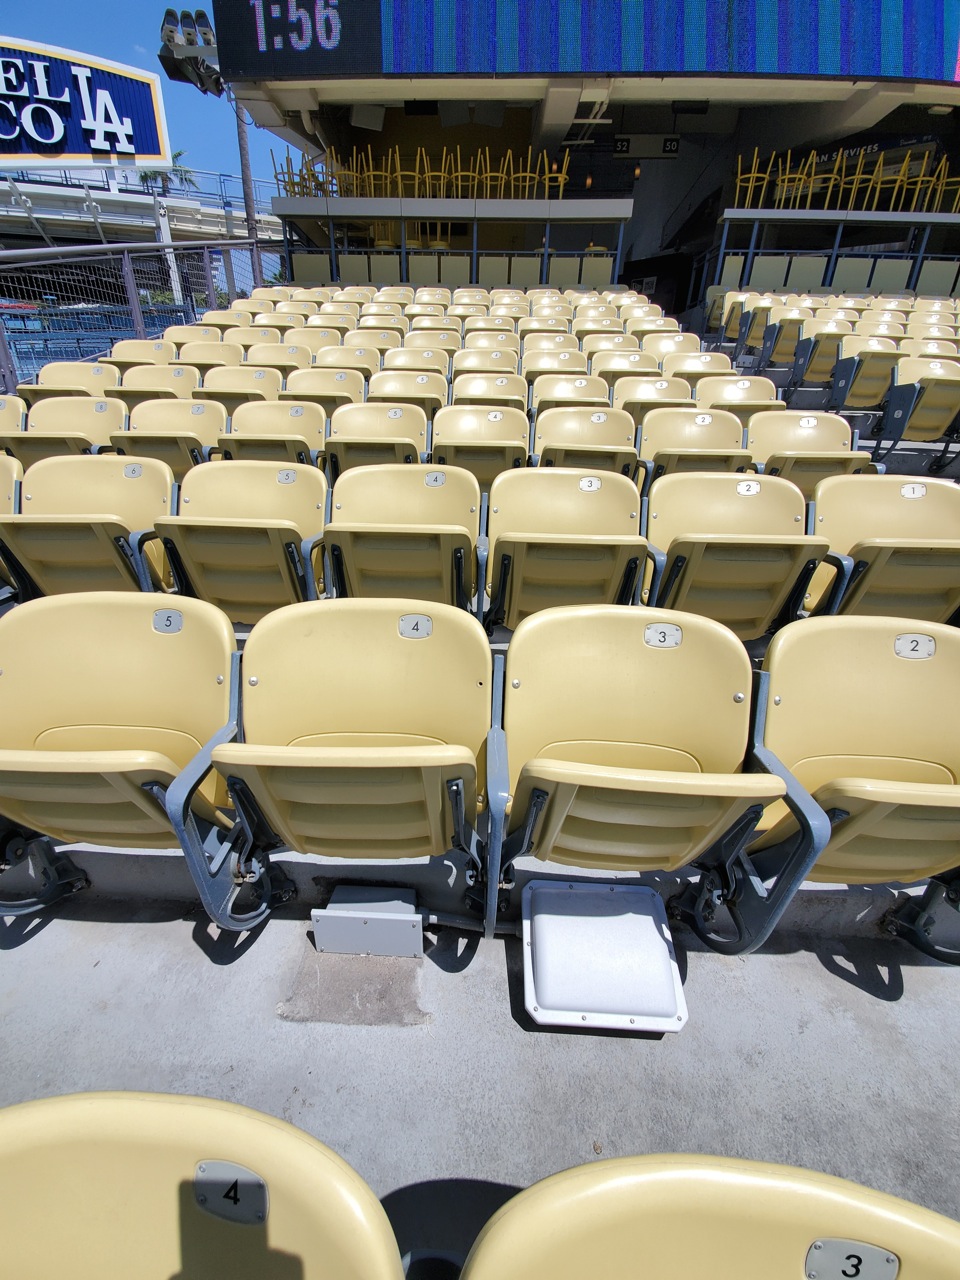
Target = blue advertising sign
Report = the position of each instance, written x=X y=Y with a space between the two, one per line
x=61 y=108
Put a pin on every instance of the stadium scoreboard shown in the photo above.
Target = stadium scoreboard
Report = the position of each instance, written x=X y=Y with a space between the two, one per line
x=367 y=39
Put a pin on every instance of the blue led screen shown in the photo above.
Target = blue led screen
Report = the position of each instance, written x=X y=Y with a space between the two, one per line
x=859 y=39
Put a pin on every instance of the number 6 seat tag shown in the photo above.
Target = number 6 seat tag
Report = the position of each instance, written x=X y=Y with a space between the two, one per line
x=230 y=1191
x=849 y=1260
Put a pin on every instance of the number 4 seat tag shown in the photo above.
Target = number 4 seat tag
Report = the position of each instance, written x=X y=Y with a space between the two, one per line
x=230 y=1191
x=849 y=1260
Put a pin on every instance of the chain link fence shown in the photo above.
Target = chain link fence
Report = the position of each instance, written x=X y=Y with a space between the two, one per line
x=74 y=303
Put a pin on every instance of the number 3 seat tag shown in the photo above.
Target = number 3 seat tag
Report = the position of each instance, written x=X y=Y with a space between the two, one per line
x=849 y=1260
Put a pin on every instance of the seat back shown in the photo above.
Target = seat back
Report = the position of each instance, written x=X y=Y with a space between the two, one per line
x=483 y=441
x=226 y=319
x=313 y=339
x=94 y=379
x=285 y=356
x=311 y=1216
x=753 y=1221
x=143 y=351
x=380 y=420
x=637 y=395
x=327 y=387
x=594 y=342
x=264 y=381
x=259 y=428
x=570 y=430
x=364 y=360
x=179 y=334
x=204 y=422
x=853 y=509
x=13 y=414
x=799 y=430
x=939 y=402
x=425 y=361
x=206 y=354
x=181 y=379
x=901 y=737
x=255 y=491
x=694 y=365
x=442 y=695
x=732 y=390
x=568 y=363
x=551 y=389
x=490 y=388
x=428 y=390
x=409 y=496
x=667 y=431
x=714 y=505
x=492 y=340
x=252 y=335
x=488 y=361
x=563 y=502
x=105 y=484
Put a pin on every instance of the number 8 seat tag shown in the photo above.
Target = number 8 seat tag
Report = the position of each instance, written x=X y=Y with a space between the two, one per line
x=849 y=1260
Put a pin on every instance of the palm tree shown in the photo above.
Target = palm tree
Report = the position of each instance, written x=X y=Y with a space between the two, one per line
x=178 y=174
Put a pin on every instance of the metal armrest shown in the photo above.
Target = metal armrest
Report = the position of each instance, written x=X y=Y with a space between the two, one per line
x=498 y=795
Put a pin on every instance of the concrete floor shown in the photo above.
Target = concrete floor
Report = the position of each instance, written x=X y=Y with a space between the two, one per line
x=833 y=1048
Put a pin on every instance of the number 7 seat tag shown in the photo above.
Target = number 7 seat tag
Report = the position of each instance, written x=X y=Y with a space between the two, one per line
x=849 y=1260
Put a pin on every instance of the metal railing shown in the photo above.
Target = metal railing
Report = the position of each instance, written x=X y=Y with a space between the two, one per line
x=74 y=303
x=202 y=185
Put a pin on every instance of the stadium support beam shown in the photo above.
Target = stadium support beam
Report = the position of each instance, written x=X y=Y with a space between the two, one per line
x=795 y=123
x=555 y=114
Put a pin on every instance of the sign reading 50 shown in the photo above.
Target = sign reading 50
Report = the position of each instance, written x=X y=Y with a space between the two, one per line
x=301 y=25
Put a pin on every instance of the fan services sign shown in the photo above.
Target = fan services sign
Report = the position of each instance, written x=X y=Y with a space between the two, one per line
x=59 y=108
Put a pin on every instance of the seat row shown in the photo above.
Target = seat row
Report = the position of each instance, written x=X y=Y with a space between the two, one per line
x=433 y=295
x=223 y=1189
x=670 y=758
x=250 y=536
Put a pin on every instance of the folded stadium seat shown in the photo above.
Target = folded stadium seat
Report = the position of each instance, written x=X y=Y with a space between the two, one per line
x=550 y=390
x=89 y=759
x=863 y=373
x=13 y=415
x=754 y=322
x=440 y=297
x=655 y=324
x=733 y=302
x=446 y=321
x=334 y=321
x=471 y=296
x=778 y=345
x=489 y=361
x=313 y=339
x=594 y=342
x=919 y=330
x=344 y=307
x=384 y=762
x=895 y=547
x=929 y=347
x=276 y=431
x=535 y=363
x=257 y=333
x=818 y=350
x=805 y=447
x=879 y=329
x=923 y=404
x=375 y=432
x=272 y=293
x=294 y=321
x=650 y=768
x=688 y=439
x=508 y=390
x=583 y=328
x=595 y=310
x=489 y=324
x=248 y=537
x=88 y=526
x=380 y=339
x=586 y=438
x=434 y=340
x=561 y=536
x=304 y=309
x=754 y=1221
x=411 y=530
x=513 y=311
x=253 y=306
x=285 y=357
x=64 y=425
x=228 y=319
x=481 y=440
x=179 y=334
x=329 y=388
x=139 y=351
x=612 y=365
x=234 y=387
x=545 y=342
x=693 y=366
x=638 y=395
x=551 y=311
x=837 y=313
x=493 y=340
x=944 y=305
x=551 y=326
x=181 y=433
x=884 y=769
x=420 y=361
x=640 y=311
x=730 y=548
x=304 y=1211
x=742 y=396
x=424 y=309
x=208 y=355
x=400 y=293
x=428 y=391
x=70 y=378
x=156 y=382
x=366 y=359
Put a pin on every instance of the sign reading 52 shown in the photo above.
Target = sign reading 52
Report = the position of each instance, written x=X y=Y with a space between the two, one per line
x=303 y=24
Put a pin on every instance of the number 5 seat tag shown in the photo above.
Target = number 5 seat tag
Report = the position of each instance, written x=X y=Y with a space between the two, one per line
x=849 y=1260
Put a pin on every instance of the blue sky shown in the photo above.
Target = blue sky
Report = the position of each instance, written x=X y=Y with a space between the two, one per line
x=129 y=31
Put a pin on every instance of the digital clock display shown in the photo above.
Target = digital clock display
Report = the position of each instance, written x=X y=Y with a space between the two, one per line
x=848 y=39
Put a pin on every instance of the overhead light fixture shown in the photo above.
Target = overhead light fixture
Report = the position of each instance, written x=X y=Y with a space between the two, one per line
x=939 y=110
x=700 y=107
x=589 y=181
x=636 y=171
x=594 y=120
